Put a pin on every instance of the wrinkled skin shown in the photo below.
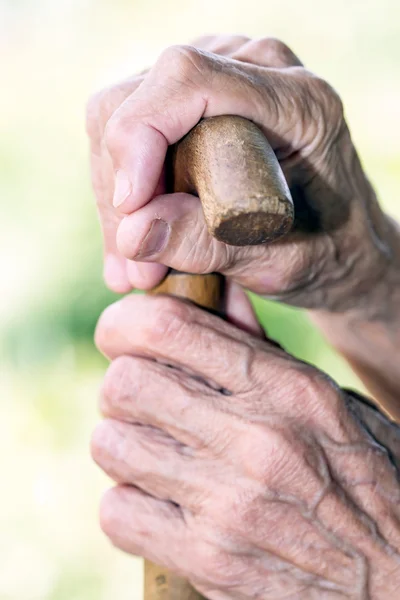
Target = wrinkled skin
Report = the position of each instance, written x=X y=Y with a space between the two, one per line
x=239 y=467
x=339 y=254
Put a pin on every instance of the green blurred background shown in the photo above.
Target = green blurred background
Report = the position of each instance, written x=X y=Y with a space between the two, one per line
x=54 y=53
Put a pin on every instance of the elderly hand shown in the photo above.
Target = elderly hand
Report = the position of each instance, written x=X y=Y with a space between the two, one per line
x=339 y=252
x=244 y=470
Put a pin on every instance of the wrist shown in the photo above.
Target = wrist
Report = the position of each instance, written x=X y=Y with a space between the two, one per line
x=382 y=295
x=369 y=340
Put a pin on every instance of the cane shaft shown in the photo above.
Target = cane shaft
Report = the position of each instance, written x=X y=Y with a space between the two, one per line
x=229 y=164
x=205 y=291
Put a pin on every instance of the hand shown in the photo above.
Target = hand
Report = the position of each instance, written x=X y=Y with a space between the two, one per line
x=339 y=252
x=242 y=469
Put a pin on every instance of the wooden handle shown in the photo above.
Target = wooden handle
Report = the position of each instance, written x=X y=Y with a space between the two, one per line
x=229 y=164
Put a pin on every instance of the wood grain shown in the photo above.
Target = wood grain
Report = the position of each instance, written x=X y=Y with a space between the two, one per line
x=228 y=162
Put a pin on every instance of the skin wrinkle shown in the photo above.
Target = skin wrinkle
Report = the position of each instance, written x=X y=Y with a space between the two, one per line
x=310 y=516
x=314 y=447
x=308 y=577
x=347 y=482
x=373 y=528
x=374 y=531
x=338 y=492
x=289 y=569
x=273 y=496
x=212 y=264
x=280 y=95
x=360 y=447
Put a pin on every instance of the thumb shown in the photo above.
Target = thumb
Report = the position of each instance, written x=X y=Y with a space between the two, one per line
x=171 y=230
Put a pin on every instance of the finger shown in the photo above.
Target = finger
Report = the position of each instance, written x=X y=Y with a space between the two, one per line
x=180 y=90
x=167 y=230
x=171 y=230
x=149 y=459
x=114 y=270
x=268 y=52
x=137 y=390
x=167 y=536
x=100 y=108
x=145 y=526
x=162 y=327
x=122 y=275
x=103 y=104
x=239 y=310
x=145 y=276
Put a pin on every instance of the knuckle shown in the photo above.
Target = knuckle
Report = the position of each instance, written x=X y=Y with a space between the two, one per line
x=114 y=320
x=184 y=59
x=106 y=326
x=115 y=120
x=108 y=513
x=103 y=329
x=328 y=93
x=115 y=133
x=252 y=375
x=101 y=106
x=98 y=438
x=108 y=443
x=170 y=319
x=310 y=394
x=325 y=99
x=117 y=384
x=299 y=384
x=318 y=395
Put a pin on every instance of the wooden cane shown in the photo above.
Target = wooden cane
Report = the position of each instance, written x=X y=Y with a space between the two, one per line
x=228 y=163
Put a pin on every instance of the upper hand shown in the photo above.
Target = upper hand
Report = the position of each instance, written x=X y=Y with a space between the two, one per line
x=240 y=467
x=337 y=251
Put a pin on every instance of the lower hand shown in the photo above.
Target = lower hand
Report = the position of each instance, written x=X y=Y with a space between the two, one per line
x=239 y=467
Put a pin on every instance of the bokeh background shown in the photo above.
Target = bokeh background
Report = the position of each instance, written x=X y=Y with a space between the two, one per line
x=53 y=54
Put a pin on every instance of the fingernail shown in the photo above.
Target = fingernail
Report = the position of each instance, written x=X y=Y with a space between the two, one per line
x=156 y=239
x=123 y=188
